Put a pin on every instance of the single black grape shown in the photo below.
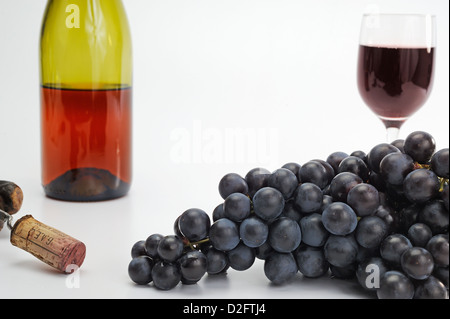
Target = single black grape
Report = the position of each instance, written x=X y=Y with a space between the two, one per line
x=217 y=261
x=232 y=183
x=421 y=185
x=280 y=268
x=339 y=219
x=364 y=199
x=341 y=251
x=194 y=224
x=395 y=285
x=284 y=235
x=440 y=163
x=241 y=257
x=256 y=179
x=308 y=197
x=170 y=248
x=253 y=231
x=417 y=263
x=284 y=180
x=166 y=275
x=430 y=288
x=151 y=244
x=218 y=212
x=313 y=232
x=224 y=234
x=395 y=167
x=311 y=261
x=419 y=234
x=370 y=231
x=268 y=203
x=237 y=207
x=438 y=248
x=140 y=270
x=393 y=247
x=354 y=165
x=138 y=249
x=193 y=266
x=314 y=172
x=420 y=146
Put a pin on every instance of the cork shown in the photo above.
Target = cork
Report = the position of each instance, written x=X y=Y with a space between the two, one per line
x=50 y=245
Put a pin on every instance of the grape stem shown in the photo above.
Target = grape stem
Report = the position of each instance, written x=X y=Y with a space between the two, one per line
x=442 y=181
x=194 y=244
x=418 y=165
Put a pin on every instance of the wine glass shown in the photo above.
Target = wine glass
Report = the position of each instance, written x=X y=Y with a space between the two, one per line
x=396 y=65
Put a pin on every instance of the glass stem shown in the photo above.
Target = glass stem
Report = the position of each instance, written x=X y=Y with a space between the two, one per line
x=392 y=134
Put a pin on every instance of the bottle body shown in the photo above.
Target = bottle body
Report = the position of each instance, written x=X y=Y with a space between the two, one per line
x=86 y=100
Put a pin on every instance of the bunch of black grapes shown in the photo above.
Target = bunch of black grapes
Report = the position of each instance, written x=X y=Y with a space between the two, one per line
x=380 y=218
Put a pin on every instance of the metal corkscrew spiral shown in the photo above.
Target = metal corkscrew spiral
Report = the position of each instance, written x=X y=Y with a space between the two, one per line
x=5 y=218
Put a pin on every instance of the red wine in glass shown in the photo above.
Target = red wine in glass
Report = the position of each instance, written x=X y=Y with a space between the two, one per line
x=395 y=66
x=395 y=82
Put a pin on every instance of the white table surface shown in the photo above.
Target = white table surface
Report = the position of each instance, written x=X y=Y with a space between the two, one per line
x=279 y=73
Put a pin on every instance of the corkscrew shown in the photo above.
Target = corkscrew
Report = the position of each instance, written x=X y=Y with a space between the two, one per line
x=46 y=243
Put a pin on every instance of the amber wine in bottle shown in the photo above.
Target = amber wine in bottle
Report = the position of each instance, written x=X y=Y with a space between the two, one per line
x=86 y=100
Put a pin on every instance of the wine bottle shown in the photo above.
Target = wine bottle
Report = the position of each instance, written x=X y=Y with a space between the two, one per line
x=86 y=100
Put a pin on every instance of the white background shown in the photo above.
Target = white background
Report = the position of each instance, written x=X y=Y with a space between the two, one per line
x=280 y=73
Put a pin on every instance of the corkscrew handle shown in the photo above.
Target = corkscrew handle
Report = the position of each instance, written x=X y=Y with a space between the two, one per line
x=11 y=198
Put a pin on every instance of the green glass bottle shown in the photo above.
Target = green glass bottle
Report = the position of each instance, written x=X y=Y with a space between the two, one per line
x=86 y=100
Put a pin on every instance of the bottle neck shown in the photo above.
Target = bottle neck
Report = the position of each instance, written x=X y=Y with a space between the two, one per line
x=85 y=45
